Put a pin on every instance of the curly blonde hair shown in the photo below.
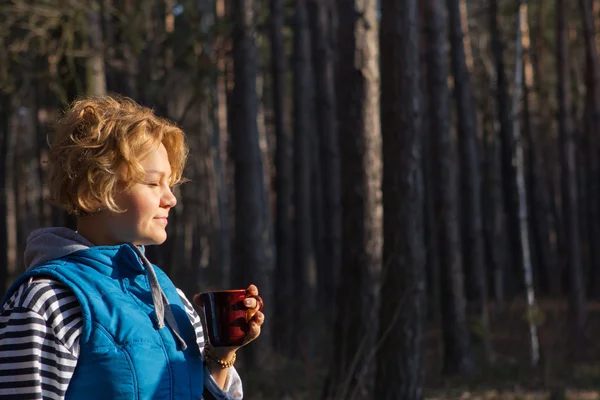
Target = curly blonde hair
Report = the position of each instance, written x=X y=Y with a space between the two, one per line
x=99 y=143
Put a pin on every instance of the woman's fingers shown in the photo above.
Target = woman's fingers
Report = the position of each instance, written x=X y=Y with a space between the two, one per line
x=252 y=290
x=197 y=300
x=251 y=302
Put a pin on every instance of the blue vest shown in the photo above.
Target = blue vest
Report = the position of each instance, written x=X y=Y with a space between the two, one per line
x=122 y=353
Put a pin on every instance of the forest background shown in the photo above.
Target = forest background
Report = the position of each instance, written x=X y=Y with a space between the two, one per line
x=414 y=186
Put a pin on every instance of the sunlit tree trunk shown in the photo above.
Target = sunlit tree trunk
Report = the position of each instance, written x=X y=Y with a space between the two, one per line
x=131 y=62
x=521 y=184
x=359 y=123
x=96 y=75
x=400 y=364
x=222 y=156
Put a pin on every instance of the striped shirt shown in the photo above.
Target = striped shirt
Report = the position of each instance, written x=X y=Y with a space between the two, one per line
x=40 y=327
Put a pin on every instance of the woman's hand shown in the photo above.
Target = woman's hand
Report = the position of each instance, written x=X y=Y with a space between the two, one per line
x=254 y=326
x=257 y=317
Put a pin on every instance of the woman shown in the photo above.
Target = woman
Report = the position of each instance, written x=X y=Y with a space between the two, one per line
x=92 y=318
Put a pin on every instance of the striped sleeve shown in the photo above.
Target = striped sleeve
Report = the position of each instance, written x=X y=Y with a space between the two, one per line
x=40 y=326
x=194 y=319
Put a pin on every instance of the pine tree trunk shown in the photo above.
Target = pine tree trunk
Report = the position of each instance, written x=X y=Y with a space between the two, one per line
x=496 y=219
x=540 y=225
x=577 y=306
x=304 y=127
x=521 y=184
x=509 y=180
x=5 y=131
x=282 y=320
x=222 y=156
x=96 y=75
x=329 y=168
x=359 y=123
x=434 y=302
x=250 y=227
x=459 y=357
x=593 y=173
x=400 y=364
x=546 y=164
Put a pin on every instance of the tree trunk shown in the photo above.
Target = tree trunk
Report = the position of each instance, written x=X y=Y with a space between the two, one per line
x=222 y=161
x=250 y=227
x=400 y=364
x=282 y=319
x=496 y=218
x=592 y=82
x=305 y=263
x=329 y=167
x=507 y=144
x=458 y=352
x=359 y=123
x=131 y=62
x=5 y=131
x=434 y=280
x=577 y=306
x=546 y=164
x=96 y=75
x=521 y=184
x=540 y=226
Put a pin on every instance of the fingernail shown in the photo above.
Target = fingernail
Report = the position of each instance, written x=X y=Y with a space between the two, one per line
x=248 y=302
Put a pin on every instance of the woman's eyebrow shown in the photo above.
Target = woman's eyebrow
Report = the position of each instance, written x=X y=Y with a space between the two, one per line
x=158 y=172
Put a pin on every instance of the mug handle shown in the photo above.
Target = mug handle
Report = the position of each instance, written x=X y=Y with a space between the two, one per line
x=260 y=302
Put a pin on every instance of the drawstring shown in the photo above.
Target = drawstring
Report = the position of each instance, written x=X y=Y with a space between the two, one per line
x=161 y=303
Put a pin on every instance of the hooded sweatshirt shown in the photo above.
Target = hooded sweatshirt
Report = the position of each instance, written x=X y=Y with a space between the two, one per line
x=70 y=315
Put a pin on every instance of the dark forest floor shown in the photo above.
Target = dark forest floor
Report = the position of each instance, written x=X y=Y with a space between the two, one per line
x=558 y=375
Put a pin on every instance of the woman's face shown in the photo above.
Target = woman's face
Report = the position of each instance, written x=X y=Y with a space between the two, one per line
x=146 y=205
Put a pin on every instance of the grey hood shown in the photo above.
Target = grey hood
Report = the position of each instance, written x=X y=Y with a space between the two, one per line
x=52 y=243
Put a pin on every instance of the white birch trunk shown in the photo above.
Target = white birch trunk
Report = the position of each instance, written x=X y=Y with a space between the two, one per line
x=520 y=166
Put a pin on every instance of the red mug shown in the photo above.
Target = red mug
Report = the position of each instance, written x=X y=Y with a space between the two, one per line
x=226 y=316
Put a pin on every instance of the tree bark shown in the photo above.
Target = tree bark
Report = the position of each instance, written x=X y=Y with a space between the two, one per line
x=5 y=112
x=400 y=364
x=592 y=69
x=577 y=306
x=458 y=352
x=96 y=75
x=496 y=218
x=359 y=123
x=540 y=225
x=304 y=127
x=250 y=227
x=329 y=168
x=509 y=180
x=521 y=184
x=434 y=280
x=546 y=163
x=282 y=320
